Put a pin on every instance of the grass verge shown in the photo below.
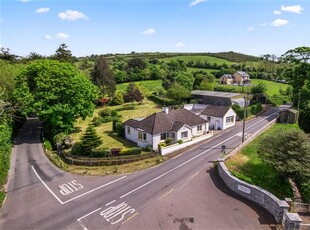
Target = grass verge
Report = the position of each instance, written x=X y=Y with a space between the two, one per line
x=248 y=166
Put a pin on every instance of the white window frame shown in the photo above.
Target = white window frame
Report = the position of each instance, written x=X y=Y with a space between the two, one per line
x=199 y=128
x=142 y=136
x=182 y=136
x=230 y=119
x=165 y=136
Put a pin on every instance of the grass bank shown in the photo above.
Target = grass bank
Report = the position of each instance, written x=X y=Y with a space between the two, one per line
x=248 y=166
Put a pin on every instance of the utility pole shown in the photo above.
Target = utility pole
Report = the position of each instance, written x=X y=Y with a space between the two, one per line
x=244 y=116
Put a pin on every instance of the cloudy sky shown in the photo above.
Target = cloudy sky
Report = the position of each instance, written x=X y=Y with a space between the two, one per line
x=120 y=26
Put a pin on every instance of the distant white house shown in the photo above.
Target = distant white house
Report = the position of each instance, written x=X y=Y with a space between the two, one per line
x=239 y=77
x=219 y=117
x=179 y=124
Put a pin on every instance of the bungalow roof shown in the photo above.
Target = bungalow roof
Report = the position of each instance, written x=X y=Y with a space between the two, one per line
x=162 y=122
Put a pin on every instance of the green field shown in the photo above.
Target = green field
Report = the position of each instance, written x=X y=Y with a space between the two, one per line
x=196 y=58
x=248 y=166
x=272 y=87
x=151 y=85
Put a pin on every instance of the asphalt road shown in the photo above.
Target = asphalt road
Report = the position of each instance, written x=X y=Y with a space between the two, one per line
x=40 y=196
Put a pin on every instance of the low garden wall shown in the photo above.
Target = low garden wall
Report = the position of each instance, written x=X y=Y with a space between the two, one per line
x=103 y=161
x=254 y=193
x=172 y=148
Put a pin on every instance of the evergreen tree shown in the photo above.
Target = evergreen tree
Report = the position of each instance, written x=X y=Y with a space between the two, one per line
x=90 y=140
x=103 y=77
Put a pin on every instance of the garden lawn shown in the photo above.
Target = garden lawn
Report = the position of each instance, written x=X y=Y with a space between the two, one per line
x=248 y=166
x=128 y=110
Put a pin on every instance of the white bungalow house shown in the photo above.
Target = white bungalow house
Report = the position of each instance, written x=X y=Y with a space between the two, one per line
x=219 y=117
x=178 y=124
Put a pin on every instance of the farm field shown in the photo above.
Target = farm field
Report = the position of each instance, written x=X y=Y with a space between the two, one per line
x=196 y=58
x=272 y=87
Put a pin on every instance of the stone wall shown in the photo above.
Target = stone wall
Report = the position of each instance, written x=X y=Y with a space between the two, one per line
x=260 y=196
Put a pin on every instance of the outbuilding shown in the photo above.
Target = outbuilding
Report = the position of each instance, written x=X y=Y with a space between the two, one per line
x=289 y=116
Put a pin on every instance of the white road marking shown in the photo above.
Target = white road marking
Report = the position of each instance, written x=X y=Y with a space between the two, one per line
x=79 y=220
x=64 y=202
x=194 y=175
x=94 y=189
x=110 y=203
x=70 y=187
x=186 y=162
x=165 y=194
x=130 y=218
x=46 y=185
x=121 y=210
x=88 y=214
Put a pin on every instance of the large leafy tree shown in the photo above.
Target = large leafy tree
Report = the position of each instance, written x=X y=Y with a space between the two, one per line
x=298 y=73
x=57 y=92
x=288 y=152
x=103 y=77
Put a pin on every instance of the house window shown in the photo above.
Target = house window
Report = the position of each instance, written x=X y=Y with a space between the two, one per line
x=199 y=128
x=173 y=135
x=128 y=130
x=142 y=136
x=163 y=136
x=184 y=134
x=230 y=119
x=209 y=118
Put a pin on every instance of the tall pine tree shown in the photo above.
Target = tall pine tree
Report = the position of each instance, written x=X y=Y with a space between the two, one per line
x=90 y=140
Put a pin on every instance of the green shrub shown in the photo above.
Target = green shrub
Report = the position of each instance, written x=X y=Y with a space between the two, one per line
x=114 y=113
x=76 y=149
x=105 y=113
x=130 y=151
x=305 y=191
x=168 y=141
x=58 y=138
x=47 y=145
x=101 y=153
x=161 y=144
x=97 y=121
x=149 y=148
x=118 y=99
x=180 y=141
x=118 y=128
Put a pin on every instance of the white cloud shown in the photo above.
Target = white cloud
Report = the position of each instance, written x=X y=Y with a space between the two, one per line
x=279 y=22
x=277 y=12
x=149 y=31
x=292 y=9
x=196 y=2
x=48 y=37
x=180 y=44
x=42 y=10
x=250 y=28
x=62 y=36
x=72 y=15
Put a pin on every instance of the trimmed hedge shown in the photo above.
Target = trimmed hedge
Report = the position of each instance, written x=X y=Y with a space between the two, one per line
x=161 y=101
x=130 y=151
